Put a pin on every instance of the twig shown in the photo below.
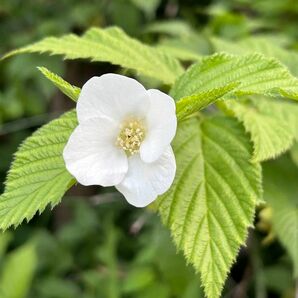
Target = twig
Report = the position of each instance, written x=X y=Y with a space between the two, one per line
x=25 y=123
x=136 y=227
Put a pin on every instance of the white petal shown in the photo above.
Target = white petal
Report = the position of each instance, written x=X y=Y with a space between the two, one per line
x=161 y=125
x=145 y=181
x=112 y=96
x=91 y=155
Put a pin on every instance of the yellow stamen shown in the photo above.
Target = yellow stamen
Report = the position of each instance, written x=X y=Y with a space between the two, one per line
x=132 y=133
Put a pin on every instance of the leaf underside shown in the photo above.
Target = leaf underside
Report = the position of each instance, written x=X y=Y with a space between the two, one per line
x=193 y=103
x=69 y=90
x=272 y=124
x=38 y=176
x=211 y=203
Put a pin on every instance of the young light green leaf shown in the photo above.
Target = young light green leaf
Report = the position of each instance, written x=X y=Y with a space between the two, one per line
x=69 y=90
x=280 y=191
x=272 y=124
x=179 y=52
x=189 y=47
x=148 y=7
x=172 y=27
x=191 y=104
x=255 y=73
x=110 y=45
x=38 y=176
x=184 y=107
x=260 y=45
x=212 y=201
x=17 y=272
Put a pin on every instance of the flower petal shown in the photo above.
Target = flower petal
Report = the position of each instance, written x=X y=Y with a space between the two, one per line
x=112 y=96
x=161 y=125
x=145 y=181
x=91 y=155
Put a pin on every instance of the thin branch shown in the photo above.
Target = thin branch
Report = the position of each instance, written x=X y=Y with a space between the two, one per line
x=25 y=123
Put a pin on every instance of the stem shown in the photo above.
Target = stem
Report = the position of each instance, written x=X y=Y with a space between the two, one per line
x=13 y=126
x=139 y=223
x=260 y=287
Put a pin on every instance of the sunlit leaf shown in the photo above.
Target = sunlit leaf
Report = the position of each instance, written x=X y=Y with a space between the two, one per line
x=69 y=90
x=211 y=203
x=272 y=124
x=38 y=176
x=255 y=74
x=110 y=45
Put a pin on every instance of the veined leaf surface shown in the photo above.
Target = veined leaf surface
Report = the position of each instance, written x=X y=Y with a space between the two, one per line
x=110 y=45
x=212 y=201
x=255 y=74
x=272 y=124
x=38 y=176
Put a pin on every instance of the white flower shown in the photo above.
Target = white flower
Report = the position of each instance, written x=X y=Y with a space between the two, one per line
x=123 y=138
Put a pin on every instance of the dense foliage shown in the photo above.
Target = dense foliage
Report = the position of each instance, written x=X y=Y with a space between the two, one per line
x=232 y=211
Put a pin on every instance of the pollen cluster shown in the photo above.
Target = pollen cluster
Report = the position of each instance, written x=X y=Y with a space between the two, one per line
x=132 y=133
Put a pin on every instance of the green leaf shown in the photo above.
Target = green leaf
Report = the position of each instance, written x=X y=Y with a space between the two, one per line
x=138 y=278
x=110 y=45
x=179 y=52
x=280 y=191
x=212 y=200
x=255 y=73
x=185 y=106
x=149 y=6
x=17 y=272
x=172 y=27
x=259 y=45
x=191 y=104
x=189 y=47
x=294 y=153
x=38 y=176
x=272 y=124
x=5 y=239
x=69 y=90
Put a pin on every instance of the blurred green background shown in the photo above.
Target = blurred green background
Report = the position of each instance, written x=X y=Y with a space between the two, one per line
x=94 y=244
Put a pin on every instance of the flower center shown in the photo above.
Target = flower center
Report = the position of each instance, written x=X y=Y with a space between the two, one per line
x=132 y=133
